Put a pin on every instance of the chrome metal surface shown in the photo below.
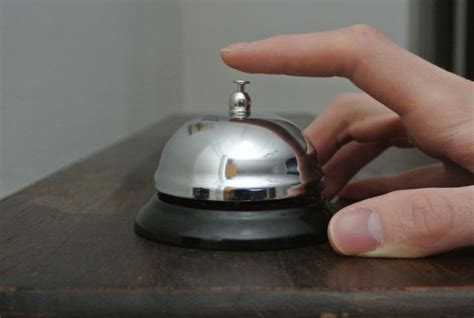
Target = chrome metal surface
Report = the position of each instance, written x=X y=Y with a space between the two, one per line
x=240 y=102
x=249 y=159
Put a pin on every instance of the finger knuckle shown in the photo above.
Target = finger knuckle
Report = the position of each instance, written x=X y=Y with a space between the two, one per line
x=347 y=104
x=348 y=107
x=359 y=42
x=364 y=31
x=428 y=218
x=347 y=99
x=458 y=143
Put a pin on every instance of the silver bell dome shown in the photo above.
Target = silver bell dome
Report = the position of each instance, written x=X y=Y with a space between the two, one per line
x=242 y=157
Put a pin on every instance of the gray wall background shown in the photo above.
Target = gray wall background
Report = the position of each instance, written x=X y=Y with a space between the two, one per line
x=79 y=75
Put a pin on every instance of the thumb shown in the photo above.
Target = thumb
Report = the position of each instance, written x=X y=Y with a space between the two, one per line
x=408 y=223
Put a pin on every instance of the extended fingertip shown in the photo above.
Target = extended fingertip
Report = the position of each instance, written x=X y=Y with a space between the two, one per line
x=355 y=231
x=235 y=47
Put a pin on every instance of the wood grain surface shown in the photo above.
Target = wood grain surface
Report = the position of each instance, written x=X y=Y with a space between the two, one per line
x=67 y=248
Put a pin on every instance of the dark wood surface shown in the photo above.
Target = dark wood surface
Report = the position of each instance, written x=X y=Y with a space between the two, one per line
x=67 y=248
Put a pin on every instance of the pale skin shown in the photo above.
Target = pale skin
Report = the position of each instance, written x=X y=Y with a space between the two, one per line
x=407 y=102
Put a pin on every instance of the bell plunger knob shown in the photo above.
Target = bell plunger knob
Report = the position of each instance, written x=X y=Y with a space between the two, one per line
x=240 y=102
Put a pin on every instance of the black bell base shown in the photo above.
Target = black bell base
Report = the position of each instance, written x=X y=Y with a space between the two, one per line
x=233 y=230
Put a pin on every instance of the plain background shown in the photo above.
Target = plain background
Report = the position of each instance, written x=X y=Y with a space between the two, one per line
x=79 y=75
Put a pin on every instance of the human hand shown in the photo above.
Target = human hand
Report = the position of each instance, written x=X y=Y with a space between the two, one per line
x=409 y=102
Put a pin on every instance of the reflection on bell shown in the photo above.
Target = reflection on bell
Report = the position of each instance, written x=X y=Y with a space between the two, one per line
x=237 y=182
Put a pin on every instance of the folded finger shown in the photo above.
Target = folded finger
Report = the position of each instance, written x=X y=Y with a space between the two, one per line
x=353 y=117
x=347 y=162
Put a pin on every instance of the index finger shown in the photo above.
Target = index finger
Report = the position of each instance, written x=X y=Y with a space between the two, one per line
x=395 y=77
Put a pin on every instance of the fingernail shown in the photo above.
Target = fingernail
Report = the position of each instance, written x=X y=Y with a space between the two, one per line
x=235 y=47
x=355 y=231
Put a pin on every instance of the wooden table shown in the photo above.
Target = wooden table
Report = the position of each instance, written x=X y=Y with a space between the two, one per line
x=67 y=248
